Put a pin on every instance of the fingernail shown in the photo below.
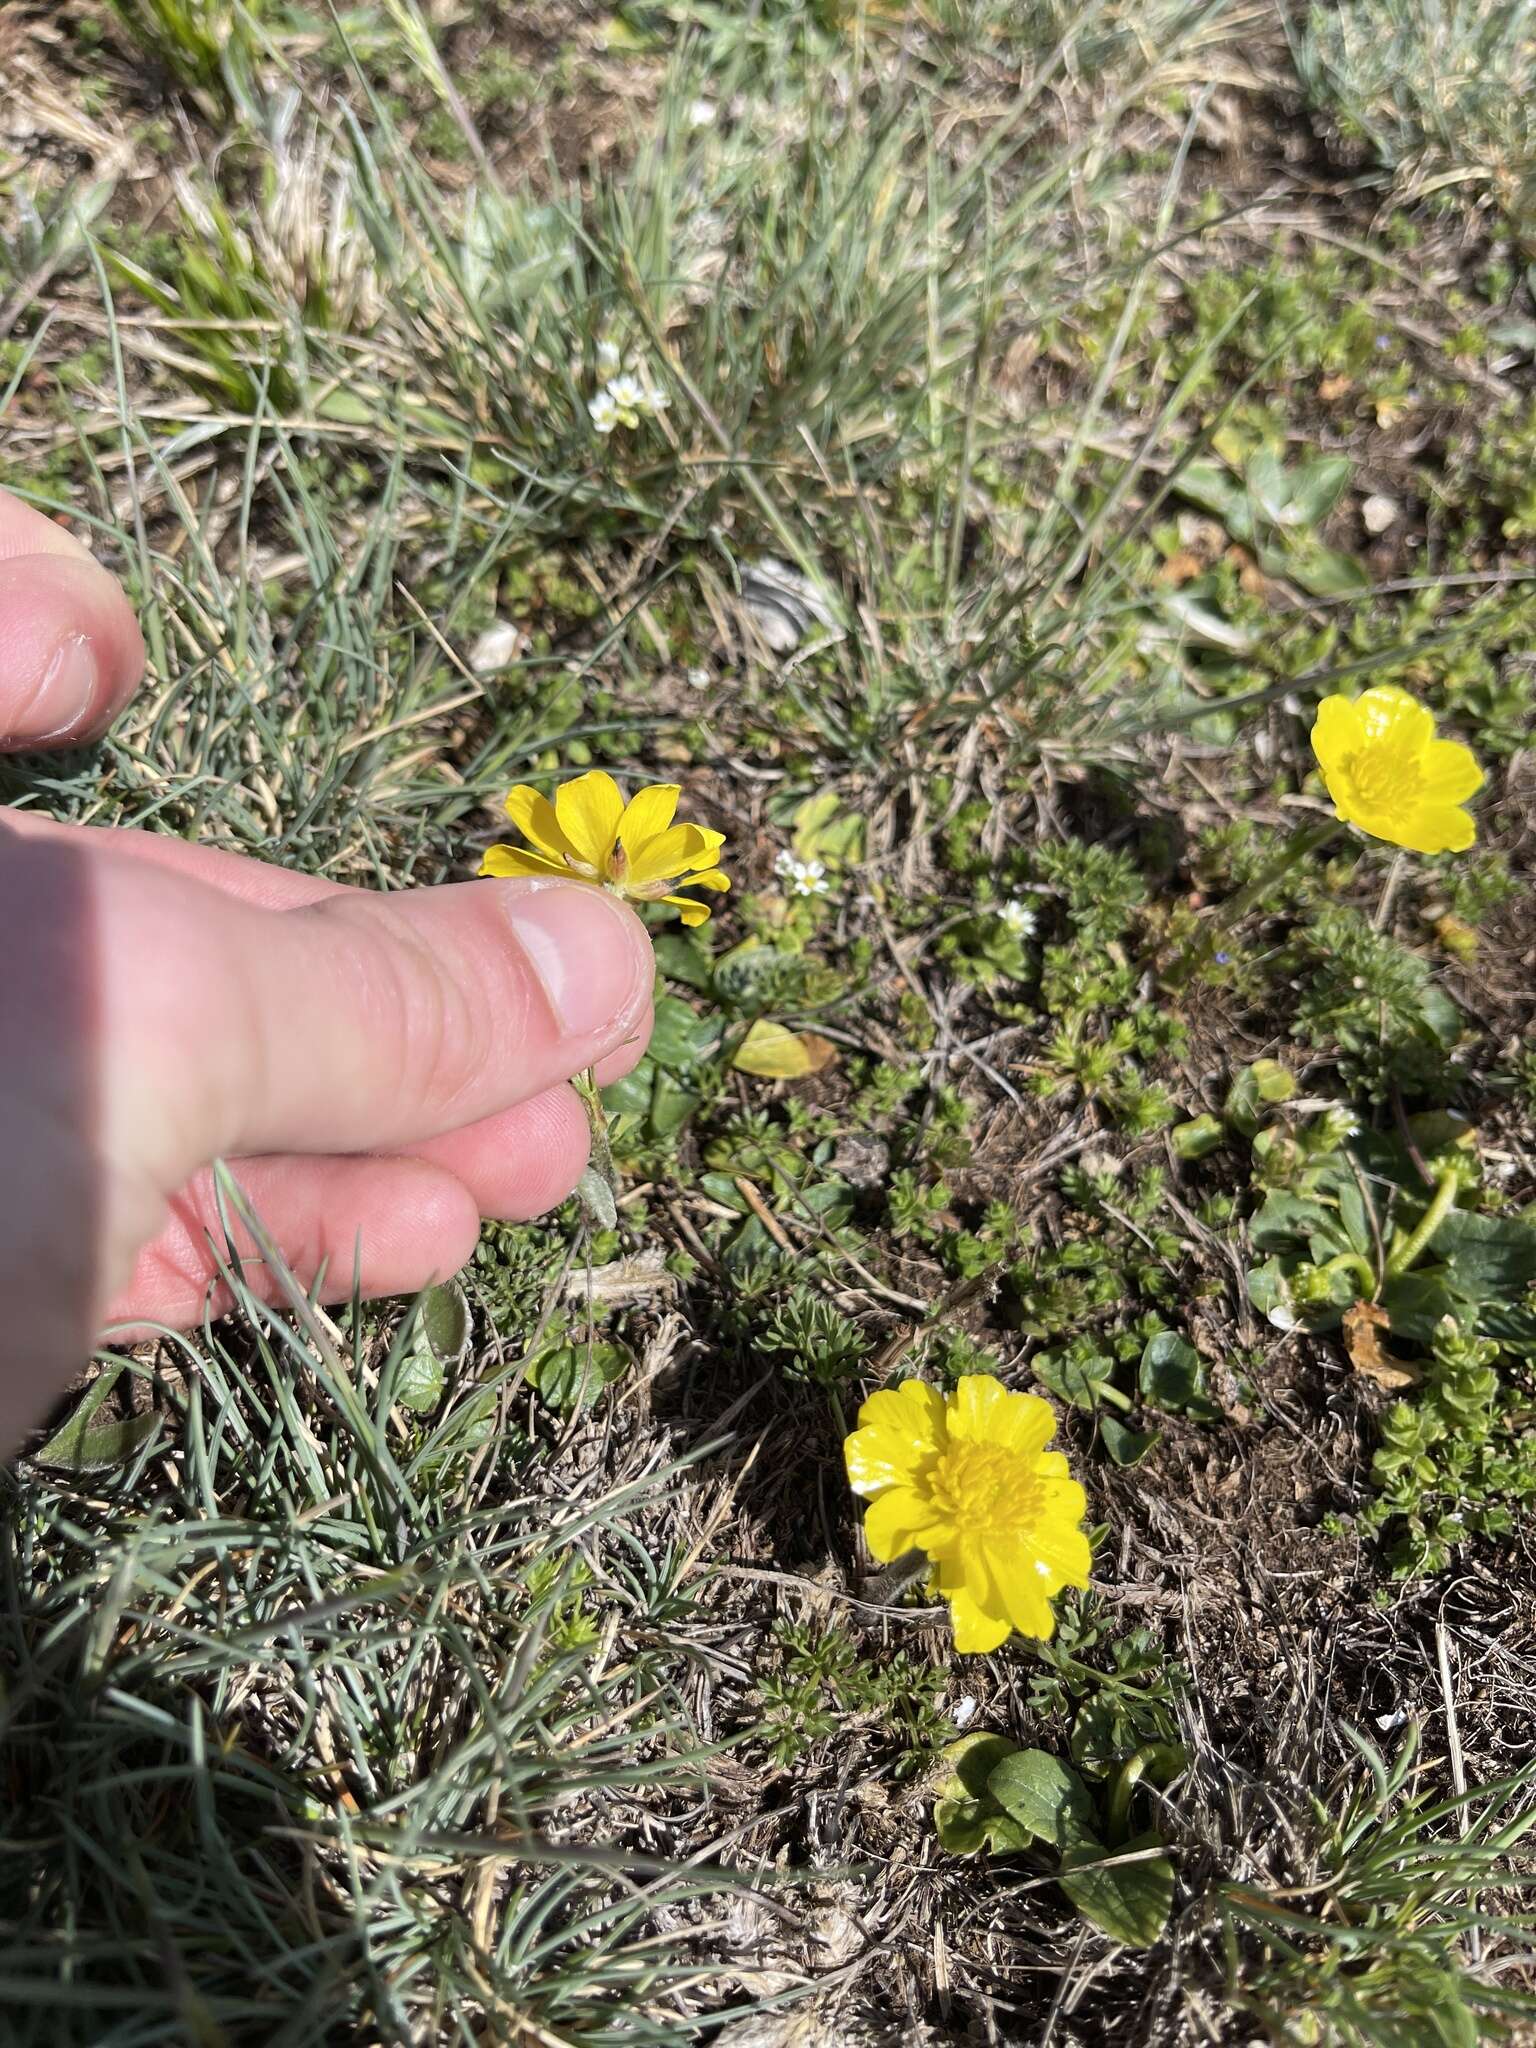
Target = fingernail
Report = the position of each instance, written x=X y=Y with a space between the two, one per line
x=66 y=690
x=587 y=950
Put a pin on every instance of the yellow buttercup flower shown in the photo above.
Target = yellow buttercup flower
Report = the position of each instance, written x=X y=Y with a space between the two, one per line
x=589 y=834
x=1388 y=774
x=967 y=1478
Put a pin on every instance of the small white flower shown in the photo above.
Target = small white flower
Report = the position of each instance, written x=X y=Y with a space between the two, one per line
x=605 y=414
x=609 y=361
x=627 y=393
x=1017 y=918
x=697 y=678
x=805 y=877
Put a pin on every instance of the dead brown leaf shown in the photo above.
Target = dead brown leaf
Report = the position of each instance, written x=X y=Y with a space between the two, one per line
x=1363 y=1325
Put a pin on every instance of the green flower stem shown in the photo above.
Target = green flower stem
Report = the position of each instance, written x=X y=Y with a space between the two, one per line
x=1352 y=1262
x=1417 y=1243
x=1163 y=1759
x=1105 y=1392
x=1301 y=844
x=599 y=1187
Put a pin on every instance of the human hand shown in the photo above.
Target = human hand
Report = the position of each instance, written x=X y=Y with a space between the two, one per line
x=385 y=1069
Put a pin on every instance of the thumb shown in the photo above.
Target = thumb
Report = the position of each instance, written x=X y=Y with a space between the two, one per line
x=355 y=1023
x=70 y=649
x=150 y=1023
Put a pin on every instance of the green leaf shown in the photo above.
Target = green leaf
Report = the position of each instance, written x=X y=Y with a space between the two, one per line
x=1045 y=1796
x=747 y=976
x=973 y=1759
x=965 y=1815
x=419 y=1379
x=1215 y=491
x=570 y=1376
x=1172 y=1376
x=1129 y=1901
x=1101 y=1737
x=671 y=1106
x=632 y=1093
x=1072 y=1378
x=1270 y=488
x=822 y=831
x=681 y=1038
x=1323 y=572
x=1254 y=1091
x=1441 y=1015
x=1287 y=1221
x=1318 y=486
x=595 y=1193
x=1193 y=1140
x=84 y=1444
x=445 y=1322
x=1125 y=1445
x=1491 y=1258
x=685 y=957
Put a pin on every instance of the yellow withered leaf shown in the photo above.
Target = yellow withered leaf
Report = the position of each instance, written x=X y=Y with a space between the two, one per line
x=776 y=1053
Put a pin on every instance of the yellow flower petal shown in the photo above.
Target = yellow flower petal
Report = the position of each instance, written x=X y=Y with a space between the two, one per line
x=710 y=843
x=1057 y=1540
x=985 y=1412
x=1389 y=716
x=534 y=816
x=892 y=1524
x=976 y=1630
x=1450 y=772
x=692 y=914
x=669 y=854
x=900 y=1429
x=588 y=811
x=517 y=860
x=1024 y=1585
x=646 y=816
x=1433 y=828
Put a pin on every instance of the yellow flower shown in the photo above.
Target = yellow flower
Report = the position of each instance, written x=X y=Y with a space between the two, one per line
x=968 y=1479
x=589 y=834
x=1388 y=774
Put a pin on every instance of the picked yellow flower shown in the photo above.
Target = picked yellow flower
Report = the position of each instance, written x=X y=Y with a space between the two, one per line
x=590 y=834
x=966 y=1477
x=1388 y=773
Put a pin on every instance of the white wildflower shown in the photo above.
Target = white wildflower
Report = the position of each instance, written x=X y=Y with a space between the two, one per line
x=697 y=678
x=804 y=877
x=605 y=414
x=609 y=360
x=628 y=393
x=1017 y=918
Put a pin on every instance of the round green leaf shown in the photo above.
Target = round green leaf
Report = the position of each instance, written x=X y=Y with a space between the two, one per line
x=1045 y=1796
x=1130 y=1901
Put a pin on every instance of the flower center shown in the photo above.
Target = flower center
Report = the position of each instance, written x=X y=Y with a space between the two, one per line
x=985 y=1489
x=1380 y=777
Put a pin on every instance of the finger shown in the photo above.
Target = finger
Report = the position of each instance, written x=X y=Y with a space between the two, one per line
x=70 y=647
x=385 y=1226
x=359 y=1023
x=521 y=1163
x=257 y=882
